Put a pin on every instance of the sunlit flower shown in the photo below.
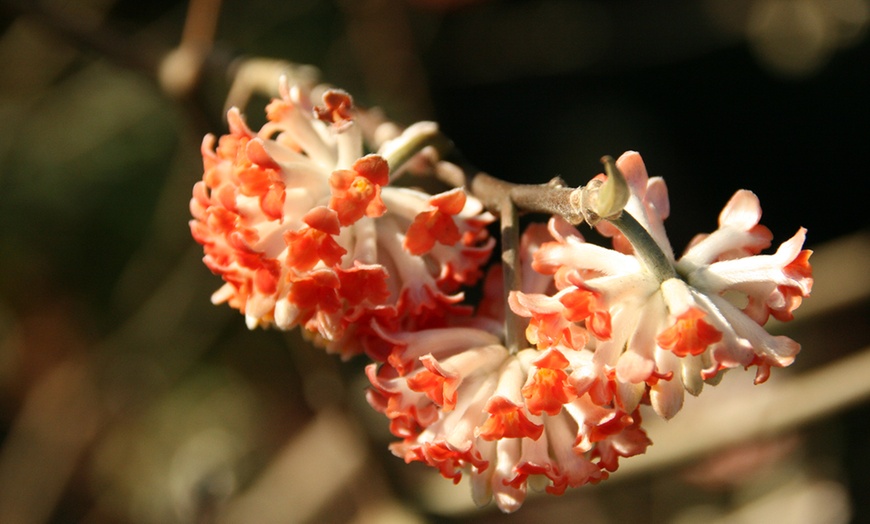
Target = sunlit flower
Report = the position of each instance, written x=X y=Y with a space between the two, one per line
x=303 y=228
x=462 y=403
x=663 y=334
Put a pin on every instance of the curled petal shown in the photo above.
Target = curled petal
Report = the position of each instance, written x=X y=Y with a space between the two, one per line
x=336 y=108
x=631 y=440
x=407 y=410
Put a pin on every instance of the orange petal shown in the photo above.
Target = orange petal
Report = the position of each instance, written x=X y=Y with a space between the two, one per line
x=450 y=202
x=507 y=420
x=690 y=334
x=374 y=168
x=547 y=391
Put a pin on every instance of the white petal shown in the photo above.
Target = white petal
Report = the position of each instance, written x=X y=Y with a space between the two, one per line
x=481 y=481
x=677 y=296
x=510 y=382
x=581 y=255
x=442 y=342
x=690 y=374
x=743 y=211
x=666 y=396
x=507 y=498
x=630 y=394
x=349 y=144
x=780 y=349
x=285 y=314
x=764 y=269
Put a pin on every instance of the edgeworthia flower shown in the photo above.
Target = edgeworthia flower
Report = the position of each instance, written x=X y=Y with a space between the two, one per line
x=308 y=230
x=665 y=328
x=462 y=403
x=303 y=228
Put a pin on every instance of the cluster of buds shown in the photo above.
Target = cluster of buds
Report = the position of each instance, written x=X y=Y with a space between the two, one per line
x=309 y=231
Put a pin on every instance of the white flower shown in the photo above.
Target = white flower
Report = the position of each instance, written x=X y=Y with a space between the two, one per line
x=663 y=334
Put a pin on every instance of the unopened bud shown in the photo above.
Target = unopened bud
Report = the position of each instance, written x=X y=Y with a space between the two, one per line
x=605 y=199
x=614 y=192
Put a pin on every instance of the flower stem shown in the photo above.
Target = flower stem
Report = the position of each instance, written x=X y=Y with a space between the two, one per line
x=510 y=257
x=556 y=199
x=552 y=198
x=414 y=140
x=644 y=246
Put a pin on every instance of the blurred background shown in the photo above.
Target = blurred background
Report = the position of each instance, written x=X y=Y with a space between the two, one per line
x=125 y=397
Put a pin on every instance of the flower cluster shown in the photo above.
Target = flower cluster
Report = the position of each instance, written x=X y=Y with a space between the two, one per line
x=461 y=401
x=304 y=229
x=663 y=334
x=307 y=230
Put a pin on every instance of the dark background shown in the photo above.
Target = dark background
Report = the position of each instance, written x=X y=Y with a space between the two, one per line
x=112 y=360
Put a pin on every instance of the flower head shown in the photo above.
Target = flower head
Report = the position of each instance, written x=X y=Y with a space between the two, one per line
x=303 y=228
x=663 y=334
x=462 y=403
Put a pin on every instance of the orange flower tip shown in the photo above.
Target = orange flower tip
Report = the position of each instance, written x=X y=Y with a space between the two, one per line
x=256 y=152
x=439 y=386
x=318 y=290
x=272 y=202
x=656 y=376
x=583 y=304
x=364 y=283
x=309 y=246
x=762 y=373
x=553 y=359
x=396 y=359
x=547 y=390
x=374 y=168
x=337 y=107
x=800 y=267
x=612 y=424
x=428 y=228
x=323 y=219
x=265 y=281
x=253 y=181
x=418 y=240
x=599 y=324
x=507 y=420
x=451 y=202
x=354 y=196
x=690 y=334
